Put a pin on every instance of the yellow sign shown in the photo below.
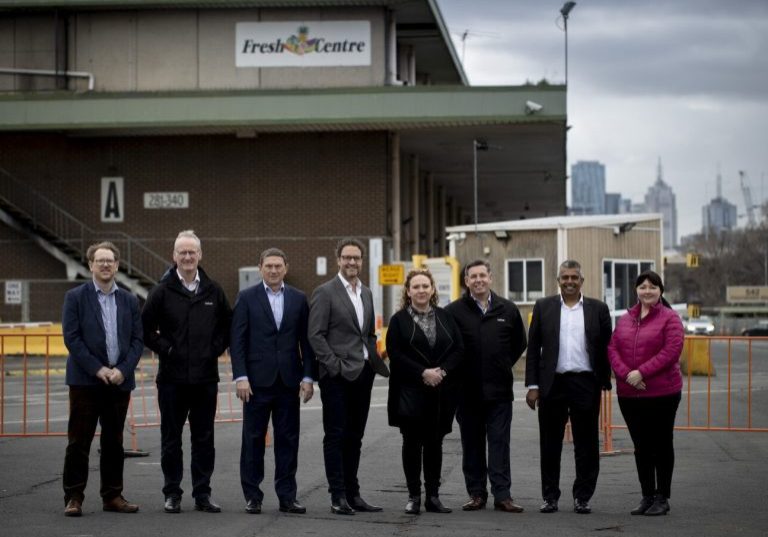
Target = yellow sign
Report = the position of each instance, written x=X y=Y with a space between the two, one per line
x=692 y=260
x=391 y=274
x=694 y=311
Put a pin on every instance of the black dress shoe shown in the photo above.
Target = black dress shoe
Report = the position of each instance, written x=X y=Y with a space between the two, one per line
x=413 y=507
x=643 y=506
x=660 y=506
x=359 y=504
x=172 y=504
x=340 y=506
x=549 y=506
x=292 y=507
x=433 y=505
x=204 y=503
x=253 y=507
x=581 y=507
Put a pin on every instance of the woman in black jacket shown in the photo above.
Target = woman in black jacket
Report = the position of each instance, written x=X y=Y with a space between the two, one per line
x=424 y=348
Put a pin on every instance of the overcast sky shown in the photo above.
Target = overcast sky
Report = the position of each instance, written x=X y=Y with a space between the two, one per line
x=681 y=80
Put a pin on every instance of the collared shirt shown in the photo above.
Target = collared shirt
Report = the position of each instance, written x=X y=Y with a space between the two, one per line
x=192 y=286
x=276 y=302
x=573 y=342
x=108 y=306
x=356 y=296
x=480 y=304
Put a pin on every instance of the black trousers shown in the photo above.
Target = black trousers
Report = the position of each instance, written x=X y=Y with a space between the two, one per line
x=281 y=402
x=575 y=396
x=422 y=447
x=651 y=422
x=179 y=402
x=345 y=414
x=480 y=421
x=89 y=405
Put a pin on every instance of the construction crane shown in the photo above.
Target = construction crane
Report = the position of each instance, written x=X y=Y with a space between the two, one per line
x=747 y=193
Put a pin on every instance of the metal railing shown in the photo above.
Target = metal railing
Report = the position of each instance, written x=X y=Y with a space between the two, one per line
x=722 y=377
x=64 y=230
x=34 y=400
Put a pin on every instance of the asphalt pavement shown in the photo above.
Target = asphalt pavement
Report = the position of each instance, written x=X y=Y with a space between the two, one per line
x=719 y=488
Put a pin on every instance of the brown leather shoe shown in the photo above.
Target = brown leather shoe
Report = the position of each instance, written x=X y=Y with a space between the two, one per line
x=74 y=508
x=118 y=504
x=508 y=506
x=475 y=503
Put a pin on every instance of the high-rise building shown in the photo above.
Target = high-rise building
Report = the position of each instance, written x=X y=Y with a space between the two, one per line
x=612 y=203
x=719 y=214
x=661 y=199
x=587 y=187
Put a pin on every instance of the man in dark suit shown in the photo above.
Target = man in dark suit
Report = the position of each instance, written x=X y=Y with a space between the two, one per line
x=566 y=369
x=102 y=332
x=272 y=363
x=494 y=338
x=342 y=334
x=186 y=322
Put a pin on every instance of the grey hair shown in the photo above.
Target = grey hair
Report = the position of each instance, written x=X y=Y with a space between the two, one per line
x=188 y=234
x=570 y=264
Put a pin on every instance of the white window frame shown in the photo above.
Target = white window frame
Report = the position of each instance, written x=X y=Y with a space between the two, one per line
x=613 y=261
x=524 y=261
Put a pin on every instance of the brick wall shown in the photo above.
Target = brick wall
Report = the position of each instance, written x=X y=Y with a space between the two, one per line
x=297 y=191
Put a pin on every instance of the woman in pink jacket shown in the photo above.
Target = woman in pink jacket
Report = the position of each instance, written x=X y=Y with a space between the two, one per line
x=644 y=353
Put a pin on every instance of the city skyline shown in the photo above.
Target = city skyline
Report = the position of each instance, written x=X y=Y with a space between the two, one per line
x=678 y=81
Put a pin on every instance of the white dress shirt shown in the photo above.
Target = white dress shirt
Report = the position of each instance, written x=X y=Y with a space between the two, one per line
x=572 y=357
x=356 y=296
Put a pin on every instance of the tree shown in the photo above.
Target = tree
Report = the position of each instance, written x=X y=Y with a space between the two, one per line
x=736 y=257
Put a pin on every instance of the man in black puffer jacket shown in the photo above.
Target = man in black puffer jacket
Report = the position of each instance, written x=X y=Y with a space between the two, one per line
x=186 y=322
x=494 y=338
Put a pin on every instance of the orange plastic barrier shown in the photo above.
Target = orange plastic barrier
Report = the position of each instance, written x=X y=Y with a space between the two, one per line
x=721 y=375
x=34 y=399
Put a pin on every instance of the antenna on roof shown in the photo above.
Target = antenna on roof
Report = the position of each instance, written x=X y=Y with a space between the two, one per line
x=467 y=33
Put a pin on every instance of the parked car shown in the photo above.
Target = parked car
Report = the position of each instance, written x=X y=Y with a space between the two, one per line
x=702 y=326
x=760 y=329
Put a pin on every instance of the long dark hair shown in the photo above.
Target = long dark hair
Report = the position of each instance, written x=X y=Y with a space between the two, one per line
x=655 y=279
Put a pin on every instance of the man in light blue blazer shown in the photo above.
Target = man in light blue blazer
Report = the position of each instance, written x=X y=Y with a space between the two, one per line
x=273 y=366
x=103 y=334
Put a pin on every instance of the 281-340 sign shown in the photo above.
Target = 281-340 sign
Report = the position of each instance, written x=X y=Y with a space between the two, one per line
x=166 y=200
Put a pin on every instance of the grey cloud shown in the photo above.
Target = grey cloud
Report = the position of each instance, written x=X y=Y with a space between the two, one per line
x=699 y=47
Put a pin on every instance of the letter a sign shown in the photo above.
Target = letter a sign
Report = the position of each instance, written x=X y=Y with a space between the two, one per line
x=112 y=202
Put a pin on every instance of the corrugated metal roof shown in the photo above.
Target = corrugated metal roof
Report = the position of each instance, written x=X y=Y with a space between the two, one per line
x=558 y=222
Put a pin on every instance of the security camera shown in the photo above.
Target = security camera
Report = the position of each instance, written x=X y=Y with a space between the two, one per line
x=532 y=107
x=456 y=236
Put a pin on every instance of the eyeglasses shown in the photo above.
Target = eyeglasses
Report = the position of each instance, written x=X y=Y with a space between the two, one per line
x=104 y=262
x=185 y=253
x=348 y=258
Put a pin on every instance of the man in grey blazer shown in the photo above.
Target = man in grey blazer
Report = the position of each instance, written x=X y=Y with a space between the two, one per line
x=342 y=334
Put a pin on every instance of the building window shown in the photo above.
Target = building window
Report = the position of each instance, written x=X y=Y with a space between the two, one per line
x=525 y=280
x=619 y=277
